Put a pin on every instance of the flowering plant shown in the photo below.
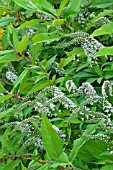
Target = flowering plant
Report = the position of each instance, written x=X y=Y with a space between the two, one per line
x=56 y=79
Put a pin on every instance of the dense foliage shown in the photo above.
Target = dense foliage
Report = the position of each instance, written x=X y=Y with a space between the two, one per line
x=56 y=71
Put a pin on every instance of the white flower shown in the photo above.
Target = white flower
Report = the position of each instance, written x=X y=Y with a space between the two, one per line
x=11 y=76
x=70 y=86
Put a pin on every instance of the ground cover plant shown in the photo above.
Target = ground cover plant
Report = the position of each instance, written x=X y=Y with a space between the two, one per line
x=56 y=78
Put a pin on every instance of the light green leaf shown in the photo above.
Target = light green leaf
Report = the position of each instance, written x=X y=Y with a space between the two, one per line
x=23 y=4
x=57 y=22
x=12 y=165
x=6 y=20
x=5 y=97
x=2 y=89
x=44 y=6
x=62 y=6
x=40 y=85
x=105 y=29
x=9 y=58
x=13 y=35
x=51 y=139
x=46 y=37
x=20 y=78
x=104 y=51
x=35 y=51
x=30 y=23
x=6 y=52
x=74 y=5
x=22 y=45
x=107 y=167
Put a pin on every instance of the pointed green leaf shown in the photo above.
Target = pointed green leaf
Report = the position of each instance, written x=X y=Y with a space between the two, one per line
x=51 y=139
x=74 y=5
x=5 y=113
x=104 y=51
x=46 y=37
x=39 y=86
x=22 y=45
x=23 y=4
x=20 y=78
x=2 y=89
x=9 y=58
x=105 y=29
x=5 y=97
x=30 y=23
x=44 y=6
x=62 y=6
x=6 y=52
x=6 y=20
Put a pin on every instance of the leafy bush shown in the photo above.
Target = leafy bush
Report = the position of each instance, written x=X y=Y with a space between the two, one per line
x=56 y=72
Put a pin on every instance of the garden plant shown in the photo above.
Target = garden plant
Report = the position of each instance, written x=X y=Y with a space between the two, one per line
x=56 y=84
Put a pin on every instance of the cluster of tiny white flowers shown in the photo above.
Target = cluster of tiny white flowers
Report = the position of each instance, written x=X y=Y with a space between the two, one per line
x=101 y=21
x=87 y=89
x=39 y=143
x=100 y=137
x=88 y=43
x=44 y=17
x=91 y=46
x=82 y=15
x=70 y=86
x=11 y=76
x=30 y=32
x=62 y=135
x=11 y=73
x=107 y=87
x=54 y=65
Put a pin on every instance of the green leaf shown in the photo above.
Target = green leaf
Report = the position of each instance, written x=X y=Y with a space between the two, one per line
x=51 y=139
x=57 y=22
x=44 y=6
x=23 y=4
x=2 y=89
x=6 y=52
x=12 y=35
x=5 y=97
x=105 y=29
x=46 y=37
x=30 y=23
x=39 y=86
x=6 y=21
x=20 y=78
x=12 y=165
x=98 y=70
x=104 y=51
x=22 y=45
x=62 y=6
x=107 y=167
x=96 y=147
x=64 y=62
x=101 y=4
x=74 y=5
x=78 y=143
x=35 y=51
x=9 y=58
